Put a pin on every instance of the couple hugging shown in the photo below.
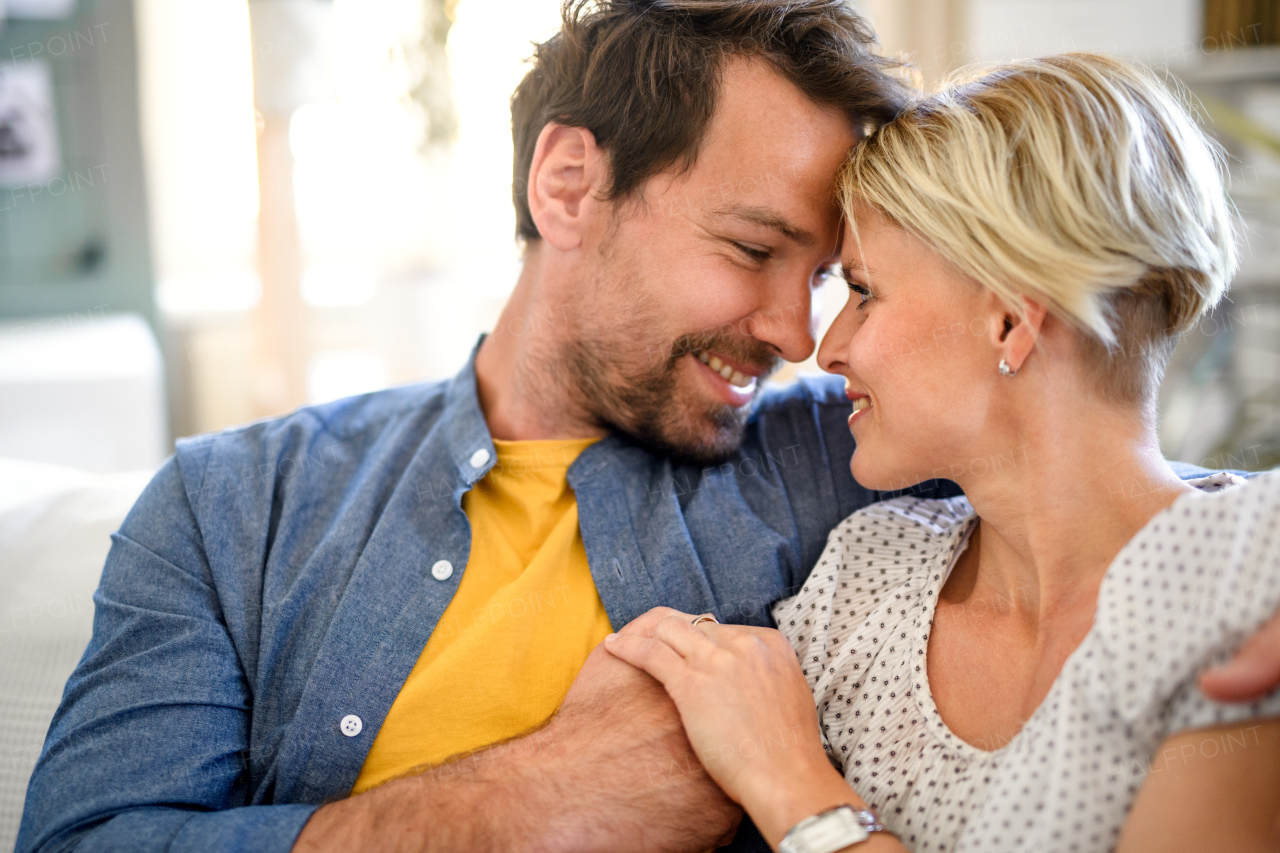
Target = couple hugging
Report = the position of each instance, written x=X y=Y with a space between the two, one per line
x=560 y=648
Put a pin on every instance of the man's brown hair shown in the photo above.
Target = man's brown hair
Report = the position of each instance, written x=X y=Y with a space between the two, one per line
x=643 y=75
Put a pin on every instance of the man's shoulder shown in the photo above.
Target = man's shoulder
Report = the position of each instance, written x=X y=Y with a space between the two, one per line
x=319 y=433
x=337 y=418
x=800 y=394
x=811 y=411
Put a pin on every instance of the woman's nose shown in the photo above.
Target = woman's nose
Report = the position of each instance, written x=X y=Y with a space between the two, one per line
x=833 y=352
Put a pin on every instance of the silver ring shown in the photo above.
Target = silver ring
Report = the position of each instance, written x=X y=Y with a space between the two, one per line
x=705 y=617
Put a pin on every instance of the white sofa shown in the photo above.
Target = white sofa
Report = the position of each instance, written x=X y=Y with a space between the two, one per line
x=85 y=391
x=55 y=525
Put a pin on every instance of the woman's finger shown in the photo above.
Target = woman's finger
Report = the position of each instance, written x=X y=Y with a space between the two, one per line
x=688 y=640
x=646 y=622
x=649 y=654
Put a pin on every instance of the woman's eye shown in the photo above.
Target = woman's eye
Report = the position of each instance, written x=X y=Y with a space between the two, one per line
x=863 y=294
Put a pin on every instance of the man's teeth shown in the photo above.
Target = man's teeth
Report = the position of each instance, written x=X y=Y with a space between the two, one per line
x=861 y=403
x=736 y=379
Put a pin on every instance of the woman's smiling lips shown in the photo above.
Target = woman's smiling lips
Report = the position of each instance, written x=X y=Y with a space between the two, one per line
x=861 y=402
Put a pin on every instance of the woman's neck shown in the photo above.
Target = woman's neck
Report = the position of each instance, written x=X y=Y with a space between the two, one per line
x=1023 y=596
x=1084 y=482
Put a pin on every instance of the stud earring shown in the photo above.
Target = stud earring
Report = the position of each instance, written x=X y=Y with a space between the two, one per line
x=1005 y=369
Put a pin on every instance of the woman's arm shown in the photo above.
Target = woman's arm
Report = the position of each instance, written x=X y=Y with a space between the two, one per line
x=750 y=716
x=1210 y=789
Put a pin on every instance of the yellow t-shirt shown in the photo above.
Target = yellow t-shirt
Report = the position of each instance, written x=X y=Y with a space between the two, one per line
x=524 y=619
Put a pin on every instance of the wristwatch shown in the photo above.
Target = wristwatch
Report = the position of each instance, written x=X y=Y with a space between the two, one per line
x=832 y=830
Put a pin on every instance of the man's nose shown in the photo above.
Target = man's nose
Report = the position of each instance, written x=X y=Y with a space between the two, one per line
x=786 y=323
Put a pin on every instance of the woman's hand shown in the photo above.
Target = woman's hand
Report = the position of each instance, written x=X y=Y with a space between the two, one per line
x=744 y=702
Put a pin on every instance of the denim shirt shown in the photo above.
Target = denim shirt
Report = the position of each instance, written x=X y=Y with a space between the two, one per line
x=276 y=578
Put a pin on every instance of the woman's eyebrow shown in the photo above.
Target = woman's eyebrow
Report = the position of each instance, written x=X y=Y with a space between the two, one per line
x=849 y=277
x=858 y=272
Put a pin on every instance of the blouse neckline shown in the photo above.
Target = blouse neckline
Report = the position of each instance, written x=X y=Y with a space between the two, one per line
x=958 y=540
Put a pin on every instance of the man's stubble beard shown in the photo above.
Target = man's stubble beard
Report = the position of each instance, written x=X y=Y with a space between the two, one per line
x=625 y=372
x=646 y=404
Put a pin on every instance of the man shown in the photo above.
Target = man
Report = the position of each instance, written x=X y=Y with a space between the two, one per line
x=370 y=624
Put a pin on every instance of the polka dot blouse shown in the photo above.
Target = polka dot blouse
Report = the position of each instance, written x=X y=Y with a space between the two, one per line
x=1198 y=579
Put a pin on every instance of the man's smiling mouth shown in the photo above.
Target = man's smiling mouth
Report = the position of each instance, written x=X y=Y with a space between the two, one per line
x=735 y=378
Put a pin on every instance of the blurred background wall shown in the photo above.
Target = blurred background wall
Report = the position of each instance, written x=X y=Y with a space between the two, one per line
x=212 y=212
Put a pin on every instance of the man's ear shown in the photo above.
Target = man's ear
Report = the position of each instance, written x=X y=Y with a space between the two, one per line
x=1014 y=336
x=567 y=170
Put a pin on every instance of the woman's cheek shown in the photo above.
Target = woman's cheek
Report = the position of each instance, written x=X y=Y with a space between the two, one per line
x=883 y=361
x=893 y=369
x=866 y=354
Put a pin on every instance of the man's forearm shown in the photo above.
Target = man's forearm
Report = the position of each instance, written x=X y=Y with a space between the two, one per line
x=500 y=798
x=612 y=770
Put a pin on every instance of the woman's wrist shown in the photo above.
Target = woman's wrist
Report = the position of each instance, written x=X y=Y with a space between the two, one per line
x=780 y=799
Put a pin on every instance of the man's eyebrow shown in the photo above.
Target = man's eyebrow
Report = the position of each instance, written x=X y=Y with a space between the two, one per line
x=768 y=218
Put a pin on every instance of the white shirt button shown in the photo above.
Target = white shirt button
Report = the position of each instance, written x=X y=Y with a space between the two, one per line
x=442 y=570
x=351 y=725
x=480 y=457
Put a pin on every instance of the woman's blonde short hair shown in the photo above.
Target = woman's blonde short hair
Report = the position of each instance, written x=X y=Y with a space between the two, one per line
x=1080 y=181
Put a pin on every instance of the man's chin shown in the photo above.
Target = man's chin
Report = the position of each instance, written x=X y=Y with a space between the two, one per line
x=671 y=412
x=704 y=440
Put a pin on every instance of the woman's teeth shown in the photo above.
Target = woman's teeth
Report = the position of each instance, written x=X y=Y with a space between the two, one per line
x=861 y=403
x=736 y=379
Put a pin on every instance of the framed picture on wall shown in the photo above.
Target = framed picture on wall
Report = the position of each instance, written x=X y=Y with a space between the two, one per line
x=28 y=125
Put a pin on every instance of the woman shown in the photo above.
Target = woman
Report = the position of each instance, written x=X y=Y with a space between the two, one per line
x=1015 y=669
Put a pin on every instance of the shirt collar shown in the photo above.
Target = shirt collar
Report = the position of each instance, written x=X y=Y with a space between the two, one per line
x=465 y=431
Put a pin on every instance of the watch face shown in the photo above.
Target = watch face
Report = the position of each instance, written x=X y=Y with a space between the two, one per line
x=833 y=832
x=827 y=832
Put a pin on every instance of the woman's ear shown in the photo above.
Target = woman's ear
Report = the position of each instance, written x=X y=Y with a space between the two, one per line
x=567 y=169
x=1016 y=335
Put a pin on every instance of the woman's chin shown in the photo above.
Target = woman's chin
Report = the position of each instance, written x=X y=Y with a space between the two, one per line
x=879 y=479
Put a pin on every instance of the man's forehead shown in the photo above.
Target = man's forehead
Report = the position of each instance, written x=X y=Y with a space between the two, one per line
x=768 y=143
x=766 y=157
x=768 y=117
x=769 y=158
